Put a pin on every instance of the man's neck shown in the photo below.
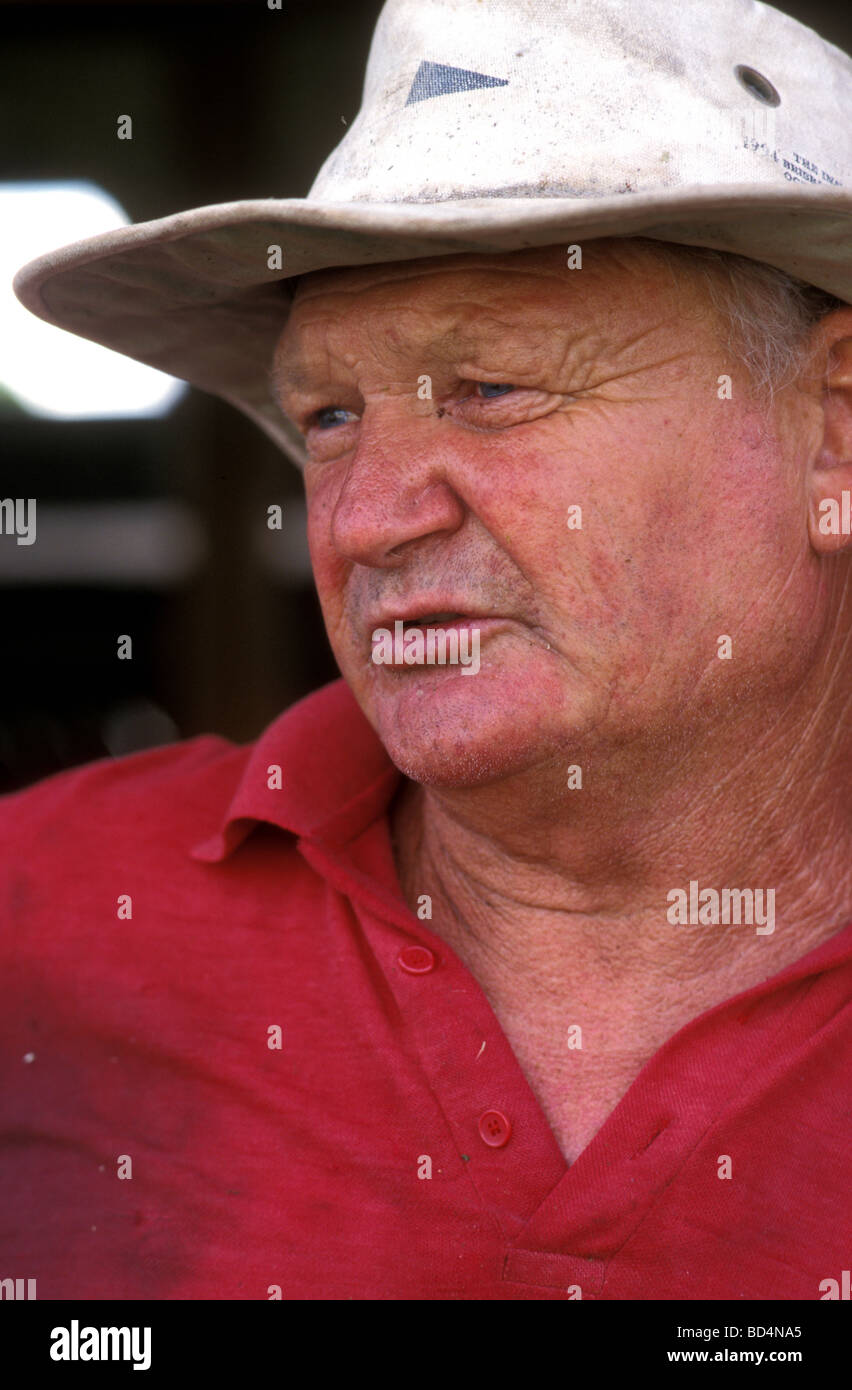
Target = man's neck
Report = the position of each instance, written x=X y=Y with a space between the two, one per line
x=549 y=894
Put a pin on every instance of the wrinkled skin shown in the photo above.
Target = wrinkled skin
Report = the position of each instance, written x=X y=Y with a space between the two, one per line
x=599 y=646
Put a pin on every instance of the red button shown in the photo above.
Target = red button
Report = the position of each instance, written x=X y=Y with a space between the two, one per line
x=416 y=960
x=494 y=1128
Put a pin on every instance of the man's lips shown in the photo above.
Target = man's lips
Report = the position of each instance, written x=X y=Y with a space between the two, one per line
x=430 y=612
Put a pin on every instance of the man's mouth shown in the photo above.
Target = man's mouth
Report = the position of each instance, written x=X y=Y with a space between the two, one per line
x=434 y=620
x=415 y=613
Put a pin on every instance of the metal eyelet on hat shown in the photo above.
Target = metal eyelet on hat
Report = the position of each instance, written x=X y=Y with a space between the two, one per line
x=757 y=85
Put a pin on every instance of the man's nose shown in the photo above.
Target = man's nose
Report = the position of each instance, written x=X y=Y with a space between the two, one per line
x=397 y=489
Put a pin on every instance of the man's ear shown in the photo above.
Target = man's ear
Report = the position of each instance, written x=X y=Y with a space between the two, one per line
x=830 y=484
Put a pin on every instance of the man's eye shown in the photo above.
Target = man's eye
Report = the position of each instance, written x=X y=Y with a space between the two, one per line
x=493 y=388
x=330 y=416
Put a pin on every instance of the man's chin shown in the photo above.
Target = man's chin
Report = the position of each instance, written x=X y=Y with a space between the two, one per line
x=473 y=764
x=451 y=730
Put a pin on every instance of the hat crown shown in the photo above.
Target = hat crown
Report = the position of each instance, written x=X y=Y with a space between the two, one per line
x=516 y=98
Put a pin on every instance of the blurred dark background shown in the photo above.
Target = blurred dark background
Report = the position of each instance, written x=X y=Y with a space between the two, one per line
x=228 y=101
x=158 y=526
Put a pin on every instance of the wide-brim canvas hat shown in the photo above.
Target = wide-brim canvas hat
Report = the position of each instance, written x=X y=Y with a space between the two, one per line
x=489 y=126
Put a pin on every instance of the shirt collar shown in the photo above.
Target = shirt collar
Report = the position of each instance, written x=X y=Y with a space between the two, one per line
x=336 y=777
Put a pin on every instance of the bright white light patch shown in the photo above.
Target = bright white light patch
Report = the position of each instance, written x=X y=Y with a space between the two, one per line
x=50 y=372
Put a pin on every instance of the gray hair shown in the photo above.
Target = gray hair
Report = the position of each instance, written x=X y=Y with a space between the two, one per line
x=766 y=315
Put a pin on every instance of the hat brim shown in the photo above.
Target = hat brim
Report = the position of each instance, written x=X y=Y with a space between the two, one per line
x=192 y=295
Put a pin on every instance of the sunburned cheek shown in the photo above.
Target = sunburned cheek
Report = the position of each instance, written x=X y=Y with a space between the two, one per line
x=751 y=529
x=732 y=558
x=329 y=577
x=731 y=504
x=510 y=487
x=328 y=567
x=744 y=463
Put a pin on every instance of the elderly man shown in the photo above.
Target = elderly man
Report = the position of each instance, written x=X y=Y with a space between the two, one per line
x=525 y=977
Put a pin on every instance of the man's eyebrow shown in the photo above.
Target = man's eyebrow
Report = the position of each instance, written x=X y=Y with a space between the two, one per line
x=286 y=375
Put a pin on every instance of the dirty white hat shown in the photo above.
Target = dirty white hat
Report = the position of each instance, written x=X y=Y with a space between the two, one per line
x=489 y=126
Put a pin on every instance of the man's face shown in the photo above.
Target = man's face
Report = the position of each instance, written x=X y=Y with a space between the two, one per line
x=551 y=389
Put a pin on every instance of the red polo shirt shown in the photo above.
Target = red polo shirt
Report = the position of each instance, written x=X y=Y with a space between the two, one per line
x=157 y=1143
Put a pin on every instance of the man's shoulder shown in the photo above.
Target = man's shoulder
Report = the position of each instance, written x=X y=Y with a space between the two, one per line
x=180 y=793
x=176 y=781
x=169 y=807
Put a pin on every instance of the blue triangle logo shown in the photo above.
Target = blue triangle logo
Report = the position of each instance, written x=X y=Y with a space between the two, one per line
x=439 y=80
